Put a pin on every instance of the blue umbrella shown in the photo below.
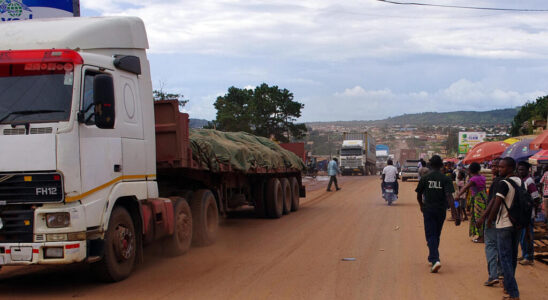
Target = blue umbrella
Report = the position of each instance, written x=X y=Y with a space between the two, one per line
x=519 y=151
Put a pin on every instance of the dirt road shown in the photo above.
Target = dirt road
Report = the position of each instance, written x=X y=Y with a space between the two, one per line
x=299 y=257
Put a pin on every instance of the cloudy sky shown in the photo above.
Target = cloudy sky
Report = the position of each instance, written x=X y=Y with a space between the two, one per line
x=346 y=60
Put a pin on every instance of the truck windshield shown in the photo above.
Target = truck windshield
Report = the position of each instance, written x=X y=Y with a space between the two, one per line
x=35 y=93
x=351 y=152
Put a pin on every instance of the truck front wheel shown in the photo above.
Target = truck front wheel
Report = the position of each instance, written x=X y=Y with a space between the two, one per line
x=274 y=198
x=205 y=218
x=119 y=248
x=179 y=242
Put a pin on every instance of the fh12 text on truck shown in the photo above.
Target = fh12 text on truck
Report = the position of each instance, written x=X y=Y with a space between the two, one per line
x=92 y=169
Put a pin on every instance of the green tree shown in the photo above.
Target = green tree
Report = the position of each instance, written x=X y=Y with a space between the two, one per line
x=265 y=111
x=536 y=110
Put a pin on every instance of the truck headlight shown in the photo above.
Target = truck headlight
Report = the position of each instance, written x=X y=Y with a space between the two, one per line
x=58 y=220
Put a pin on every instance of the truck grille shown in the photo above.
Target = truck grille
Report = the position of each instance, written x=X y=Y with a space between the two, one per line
x=17 y=225
x=351 y=163
x=31 y=188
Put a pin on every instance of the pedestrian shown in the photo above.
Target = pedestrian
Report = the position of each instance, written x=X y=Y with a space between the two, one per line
x=438 y=195
x=478 y=194
x=390 y=176
x=526 y=235
x=544 y=182
x=461 y=179
x=332 y=171
x=490 y=233
x=507 y=234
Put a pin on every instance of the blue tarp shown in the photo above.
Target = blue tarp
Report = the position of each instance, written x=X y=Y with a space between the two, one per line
x=519 y=151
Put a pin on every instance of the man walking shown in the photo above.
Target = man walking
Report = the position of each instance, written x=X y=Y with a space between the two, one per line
x=490 y=233
x=390 y=176
x=438 y=195
x=526 y=236
x=332 y=171
x=507 y=234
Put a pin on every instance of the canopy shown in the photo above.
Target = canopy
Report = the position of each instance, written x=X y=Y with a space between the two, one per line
x=485 y=151
x=540 y=158
x=541 y=141
x=519 y=151
x=511 y=140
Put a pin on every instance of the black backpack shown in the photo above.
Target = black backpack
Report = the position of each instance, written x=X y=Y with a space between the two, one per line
x=522 y=207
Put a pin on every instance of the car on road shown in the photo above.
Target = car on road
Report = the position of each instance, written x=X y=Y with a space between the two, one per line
x=410 y=170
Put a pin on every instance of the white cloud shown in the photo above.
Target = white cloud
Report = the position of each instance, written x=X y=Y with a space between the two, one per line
x=358 y=103
x=331 y=30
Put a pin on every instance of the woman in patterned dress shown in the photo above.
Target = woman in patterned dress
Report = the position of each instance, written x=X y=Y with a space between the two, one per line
x=477 y=187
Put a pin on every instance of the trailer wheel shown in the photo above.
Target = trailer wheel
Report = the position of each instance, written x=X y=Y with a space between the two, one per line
x=295 y=194
x=120 y=248
x=274 y=198
x=259 y=199
x=205 y=218
x=179 y=242
x=286 y=188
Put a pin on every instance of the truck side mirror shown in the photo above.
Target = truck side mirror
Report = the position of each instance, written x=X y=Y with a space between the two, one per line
x=103 y=100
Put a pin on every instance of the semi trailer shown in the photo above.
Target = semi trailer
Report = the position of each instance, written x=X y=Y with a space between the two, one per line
x=93 y=169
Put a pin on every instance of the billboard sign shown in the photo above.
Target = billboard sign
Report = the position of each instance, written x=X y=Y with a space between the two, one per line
x=13 y=10
x=467 y=140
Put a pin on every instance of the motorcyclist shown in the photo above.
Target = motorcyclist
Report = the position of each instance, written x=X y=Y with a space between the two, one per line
x=390 y=177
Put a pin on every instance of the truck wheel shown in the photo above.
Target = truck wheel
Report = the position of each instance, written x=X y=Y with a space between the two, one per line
x=205 y=218
x=179 y=242
x=274 y=198
x=295 y=194
x=258 y=198
x=119 y=249
x=286 y=188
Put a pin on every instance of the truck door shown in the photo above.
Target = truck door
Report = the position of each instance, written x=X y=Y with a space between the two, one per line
x=100 y=152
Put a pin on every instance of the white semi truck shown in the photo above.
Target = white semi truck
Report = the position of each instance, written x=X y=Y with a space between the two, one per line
x=357 y=154
x=91 y=168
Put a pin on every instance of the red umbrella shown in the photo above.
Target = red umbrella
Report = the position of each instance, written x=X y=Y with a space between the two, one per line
x=485 y=151
x=541 y=141
x=539 y=158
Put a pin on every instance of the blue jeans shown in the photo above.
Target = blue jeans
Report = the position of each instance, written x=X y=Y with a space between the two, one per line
x=527 y=246
x=507 y=242
x=433 y=224
x=491 y=253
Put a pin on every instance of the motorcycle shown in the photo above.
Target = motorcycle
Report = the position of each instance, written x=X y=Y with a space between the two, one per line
x=389 y=193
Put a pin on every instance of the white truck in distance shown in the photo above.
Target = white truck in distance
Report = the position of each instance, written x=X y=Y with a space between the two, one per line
x=357 y=154
x=92 y=168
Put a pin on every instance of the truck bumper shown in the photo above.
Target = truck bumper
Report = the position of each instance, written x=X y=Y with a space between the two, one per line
x=13 y=254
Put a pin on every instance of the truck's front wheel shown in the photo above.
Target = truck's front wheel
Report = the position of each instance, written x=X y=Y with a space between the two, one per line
x=205 y=218
x=120 y=248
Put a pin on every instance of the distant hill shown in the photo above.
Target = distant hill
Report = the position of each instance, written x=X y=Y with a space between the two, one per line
x=492 y=117
x=197 y=123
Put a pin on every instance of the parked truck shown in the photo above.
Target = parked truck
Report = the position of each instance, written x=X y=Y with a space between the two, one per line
x=382 y=154
x=407 y=154
x=92 y=169
x=357 y=154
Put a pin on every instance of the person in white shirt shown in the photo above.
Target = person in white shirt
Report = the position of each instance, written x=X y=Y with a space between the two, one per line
x=390 y=175
x=507 y=234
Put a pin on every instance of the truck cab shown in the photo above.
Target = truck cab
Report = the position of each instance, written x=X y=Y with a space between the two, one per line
x=352 y=157
x=76 y=134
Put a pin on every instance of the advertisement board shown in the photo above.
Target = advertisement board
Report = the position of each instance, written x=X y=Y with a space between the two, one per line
x=13 y=10
x=467 y=140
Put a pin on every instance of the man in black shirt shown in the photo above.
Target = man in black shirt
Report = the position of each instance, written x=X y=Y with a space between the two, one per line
x=438 y=195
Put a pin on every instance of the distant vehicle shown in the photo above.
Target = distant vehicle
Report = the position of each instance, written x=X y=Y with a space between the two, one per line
x=410 y=169
x=382 y=153
x=389 y=195
x=406 y=154
x=357 y=154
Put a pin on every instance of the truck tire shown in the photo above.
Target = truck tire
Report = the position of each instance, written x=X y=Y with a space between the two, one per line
x=205 y=218
x=295 y=194
x=120 y=248
x=259 y=199
x=179 y=242
x=286 y=188
x=274 y=198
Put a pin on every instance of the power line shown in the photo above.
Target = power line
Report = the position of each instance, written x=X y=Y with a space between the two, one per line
x=464 y=7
